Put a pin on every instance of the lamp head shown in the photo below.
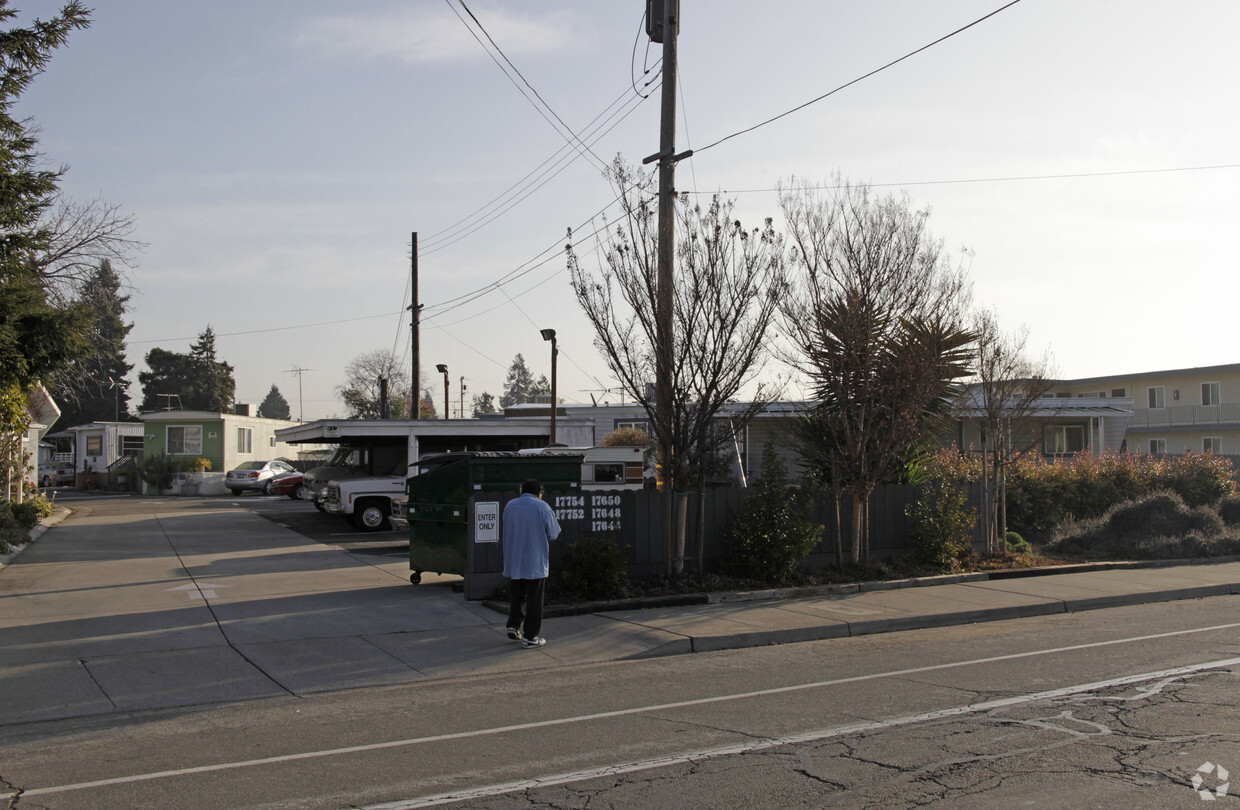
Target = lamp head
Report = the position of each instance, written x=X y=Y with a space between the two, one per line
x=548 y=334
x=441 y=368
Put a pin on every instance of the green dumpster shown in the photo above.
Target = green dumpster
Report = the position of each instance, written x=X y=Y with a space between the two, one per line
x=438 y=506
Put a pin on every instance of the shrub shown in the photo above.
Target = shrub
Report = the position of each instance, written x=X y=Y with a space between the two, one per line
x=1017 y=544
x=776 y=531
x=941 y=523
x=1042 y=495
x=25 y=514
x=1229 y=510
x=1200 y=479
x=11 y=532
x=1158 y=526
x=199 y=464
x=592 y=567
x=626 y=437
x=157 y=470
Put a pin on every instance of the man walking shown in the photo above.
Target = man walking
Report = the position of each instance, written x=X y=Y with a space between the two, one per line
x=529 y=528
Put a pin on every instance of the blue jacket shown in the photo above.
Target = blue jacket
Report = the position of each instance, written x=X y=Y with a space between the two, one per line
x=529 y=526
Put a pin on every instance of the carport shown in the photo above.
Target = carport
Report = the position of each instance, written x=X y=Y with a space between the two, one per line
x=421 y=437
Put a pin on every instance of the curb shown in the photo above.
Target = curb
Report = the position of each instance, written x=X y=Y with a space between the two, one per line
x=841 y=588
x=848 y=629
x=38 y=530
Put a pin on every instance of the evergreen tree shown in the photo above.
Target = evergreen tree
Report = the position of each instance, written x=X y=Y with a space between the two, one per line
x=216 y=390
x=274 y=405
x=198 y=381
x=94 y=389
x=518 y=383
x=37 y=338
x=483 y=403
x=541 y=388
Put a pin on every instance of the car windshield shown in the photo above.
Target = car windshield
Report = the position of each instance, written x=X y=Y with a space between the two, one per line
x=251 y=465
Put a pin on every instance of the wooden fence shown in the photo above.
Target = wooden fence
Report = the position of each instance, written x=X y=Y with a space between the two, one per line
x=636 y=519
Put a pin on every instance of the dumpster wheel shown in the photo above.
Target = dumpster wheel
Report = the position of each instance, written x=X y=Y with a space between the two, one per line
x=416 y=578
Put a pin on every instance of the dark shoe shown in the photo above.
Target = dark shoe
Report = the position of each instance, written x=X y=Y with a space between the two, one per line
x=536 y=641
x=514 y=634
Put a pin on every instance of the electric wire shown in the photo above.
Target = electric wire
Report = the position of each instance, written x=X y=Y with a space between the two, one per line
x=909 y=55
x=1008 y=179
x=556 y=158
x=546 y=176
x=270 y=329
x=526 y=82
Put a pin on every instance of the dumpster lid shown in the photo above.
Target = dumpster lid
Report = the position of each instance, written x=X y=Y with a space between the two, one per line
x=437 y=460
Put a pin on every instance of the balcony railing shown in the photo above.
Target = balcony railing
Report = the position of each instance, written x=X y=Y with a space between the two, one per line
x=1186 y=415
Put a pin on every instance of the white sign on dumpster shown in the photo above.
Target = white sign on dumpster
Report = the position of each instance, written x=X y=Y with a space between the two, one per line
x=486 y=522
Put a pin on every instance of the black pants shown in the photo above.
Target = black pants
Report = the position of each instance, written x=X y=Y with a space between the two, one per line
x=530 y=592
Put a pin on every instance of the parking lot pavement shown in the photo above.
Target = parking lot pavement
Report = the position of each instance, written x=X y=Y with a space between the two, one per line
x=145 y=603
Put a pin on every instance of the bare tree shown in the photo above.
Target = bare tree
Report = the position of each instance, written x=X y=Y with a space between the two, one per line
x=729 y=283
x=80 y=236
x=361 y=389
x=1006 y=399
x=877 y=321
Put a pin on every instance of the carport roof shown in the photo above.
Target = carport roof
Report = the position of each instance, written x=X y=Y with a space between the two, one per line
x=336 y=430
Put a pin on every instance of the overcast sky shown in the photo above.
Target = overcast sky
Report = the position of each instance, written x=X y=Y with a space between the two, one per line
x=277 y=155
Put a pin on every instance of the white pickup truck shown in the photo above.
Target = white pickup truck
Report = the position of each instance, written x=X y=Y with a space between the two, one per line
x=367 y=502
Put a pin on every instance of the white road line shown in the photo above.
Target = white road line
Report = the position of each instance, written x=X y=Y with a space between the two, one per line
x=794 y=739
x=586 y=718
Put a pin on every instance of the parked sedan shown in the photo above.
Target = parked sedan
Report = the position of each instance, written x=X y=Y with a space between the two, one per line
x=255 y=475
x=55 y=474
x=290 y=483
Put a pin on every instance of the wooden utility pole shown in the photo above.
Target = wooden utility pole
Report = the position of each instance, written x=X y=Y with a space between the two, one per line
x=415 y=323
x=664 y=325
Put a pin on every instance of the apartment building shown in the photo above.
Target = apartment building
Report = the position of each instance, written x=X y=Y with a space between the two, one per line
x=1176 y=411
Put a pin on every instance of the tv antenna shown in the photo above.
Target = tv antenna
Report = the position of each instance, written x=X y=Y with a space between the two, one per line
x=298 y=370
x=168 y=401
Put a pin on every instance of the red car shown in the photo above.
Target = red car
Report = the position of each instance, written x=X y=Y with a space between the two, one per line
x=289 y=483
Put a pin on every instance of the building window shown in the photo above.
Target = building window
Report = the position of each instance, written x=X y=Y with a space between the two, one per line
x=245 y=440
x=640 y=424
x=94 y=445
x=1212 y=444
x=184 y=440
x=609 y=473
x=1064 y=439
x=1158 y=447
x=1118 y=392
x=1156 y=398
x=271 y=441
x=1209 y=393
x=131 y=446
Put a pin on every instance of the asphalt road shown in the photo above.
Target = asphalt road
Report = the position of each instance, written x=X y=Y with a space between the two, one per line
x=1119 y=707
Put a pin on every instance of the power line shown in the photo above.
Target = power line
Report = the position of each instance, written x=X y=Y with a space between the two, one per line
x=574 y=137
x=532 y=264
x=859 y=78
x=562 y=159
x=261 y=331
x=1014 y=178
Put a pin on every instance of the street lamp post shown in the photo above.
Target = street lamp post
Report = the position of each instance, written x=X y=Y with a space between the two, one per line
x=549 y=334
x=443 y=369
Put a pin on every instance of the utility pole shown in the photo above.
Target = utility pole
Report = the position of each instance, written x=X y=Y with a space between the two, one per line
x=461 y=412
x=415 y=324
x=665 y=31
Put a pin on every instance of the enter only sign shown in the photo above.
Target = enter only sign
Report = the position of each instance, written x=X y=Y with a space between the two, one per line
x=486 y=522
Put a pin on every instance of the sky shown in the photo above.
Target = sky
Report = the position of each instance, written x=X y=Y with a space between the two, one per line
x=1078 y=158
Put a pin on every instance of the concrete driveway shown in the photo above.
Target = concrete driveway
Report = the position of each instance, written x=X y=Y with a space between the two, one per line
x=137 y=603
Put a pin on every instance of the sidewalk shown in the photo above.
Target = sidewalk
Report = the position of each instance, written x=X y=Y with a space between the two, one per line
x=190 y=606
